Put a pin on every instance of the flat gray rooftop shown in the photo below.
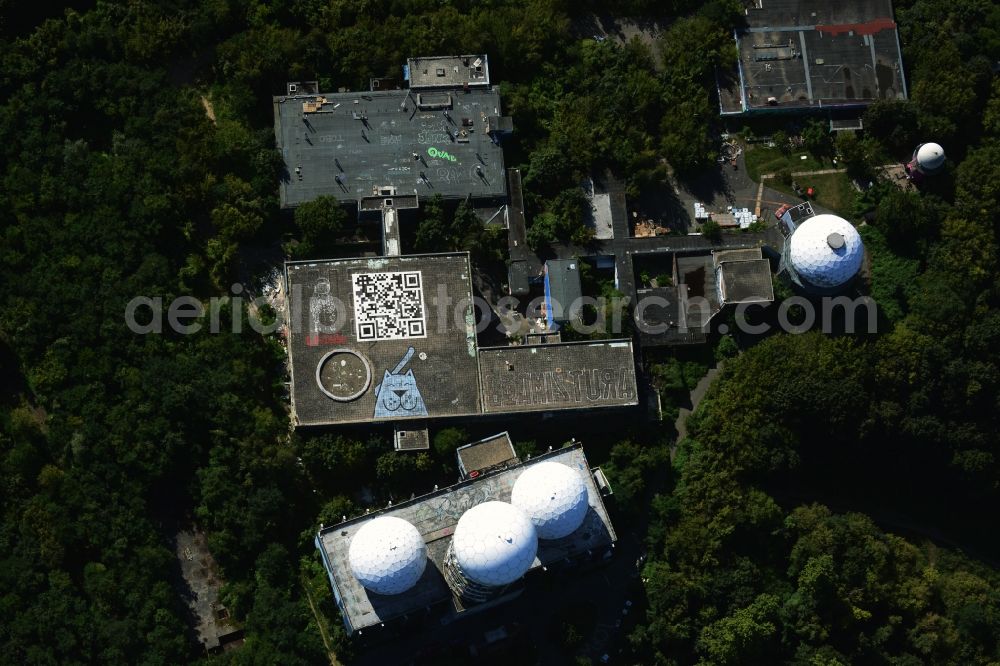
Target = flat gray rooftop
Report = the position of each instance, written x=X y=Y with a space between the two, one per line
x=374 y=340
x=746 y=281
x=448 y=71
x=367 y=140
x=800 y=213
x=367 y=342
x=697 y=289
x=742 y=254
x=744 y=276
x=599 y=216
x=486 y=454
x=664 y=320
x=435 y=516
x=807 y=53
x=549 y=377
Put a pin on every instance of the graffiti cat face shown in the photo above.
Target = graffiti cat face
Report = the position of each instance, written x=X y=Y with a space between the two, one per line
x=399 y=396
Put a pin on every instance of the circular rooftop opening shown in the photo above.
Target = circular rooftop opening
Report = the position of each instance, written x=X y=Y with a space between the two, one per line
x=343 y=375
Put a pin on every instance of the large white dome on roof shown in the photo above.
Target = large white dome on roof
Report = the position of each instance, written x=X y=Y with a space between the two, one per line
x=826 y=250
x=930 y=157
x=494 y=543
x=387 y=555
x=554 y=497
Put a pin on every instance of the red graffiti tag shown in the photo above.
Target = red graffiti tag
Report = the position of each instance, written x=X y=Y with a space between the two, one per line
x=867 y=28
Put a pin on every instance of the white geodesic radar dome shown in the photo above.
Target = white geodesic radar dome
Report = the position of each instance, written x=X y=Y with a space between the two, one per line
x=930 y=157
x=494 y=543
x=826 y=250
x=553 y=496
x=387 y=555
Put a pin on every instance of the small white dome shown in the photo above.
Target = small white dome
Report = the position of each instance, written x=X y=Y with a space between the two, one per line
x=826 y=250
x=387 y=555
x=930 y=157
x=554 y=497
x=494 y=543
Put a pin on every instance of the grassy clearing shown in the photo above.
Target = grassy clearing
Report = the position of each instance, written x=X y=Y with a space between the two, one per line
x=893 y=277
x=315 y=587
x=833 y=191
x=763 y=160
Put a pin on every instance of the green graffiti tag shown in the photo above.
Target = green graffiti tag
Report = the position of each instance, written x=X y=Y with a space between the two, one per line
x=434 y=152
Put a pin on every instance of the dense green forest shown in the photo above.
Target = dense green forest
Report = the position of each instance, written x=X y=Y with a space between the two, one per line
x=762 y=551
x=799 y=519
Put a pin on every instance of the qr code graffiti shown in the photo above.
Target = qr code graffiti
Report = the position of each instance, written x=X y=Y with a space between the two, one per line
x=388 y=306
